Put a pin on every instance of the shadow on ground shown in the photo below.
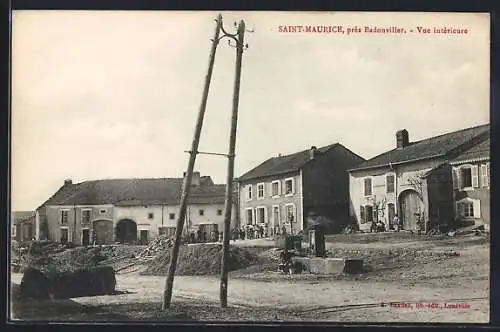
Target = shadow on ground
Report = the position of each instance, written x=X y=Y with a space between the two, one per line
x=64 y=310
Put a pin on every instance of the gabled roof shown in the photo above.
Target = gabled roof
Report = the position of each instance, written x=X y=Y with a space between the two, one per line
x=282 y=164
x=437 y=146
x=287 y=164
x=480 y=151
x=131 y=192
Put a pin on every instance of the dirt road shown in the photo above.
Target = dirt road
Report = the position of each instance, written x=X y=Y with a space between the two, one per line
x=299 y=296
x=462 y=280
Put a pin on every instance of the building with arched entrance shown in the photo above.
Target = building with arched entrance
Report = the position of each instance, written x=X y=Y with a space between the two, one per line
x=414 y=181
x=128 y=211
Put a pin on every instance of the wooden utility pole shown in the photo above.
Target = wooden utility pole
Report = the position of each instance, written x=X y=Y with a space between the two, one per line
x=169 y=282
x=230 y=168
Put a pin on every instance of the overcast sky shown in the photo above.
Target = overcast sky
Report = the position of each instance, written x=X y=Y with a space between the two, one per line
x=116 y=94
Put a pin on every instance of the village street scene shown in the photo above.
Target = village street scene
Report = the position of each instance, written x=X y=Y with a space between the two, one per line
x=322 y=178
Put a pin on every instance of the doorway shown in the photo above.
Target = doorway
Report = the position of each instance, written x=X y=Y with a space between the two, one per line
x=103 y=232
x=411 y=206
x=85 y=237
x=144 y=236
x=126 y=231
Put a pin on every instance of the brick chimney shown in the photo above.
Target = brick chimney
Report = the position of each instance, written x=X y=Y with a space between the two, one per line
x=68 y=182
x=402 y=138
x=312 y=152
x=195 y=179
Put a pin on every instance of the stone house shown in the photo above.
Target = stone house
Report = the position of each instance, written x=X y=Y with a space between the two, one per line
x=282 y=191
x=414 y=180
x=129 y=210
x=471 y=185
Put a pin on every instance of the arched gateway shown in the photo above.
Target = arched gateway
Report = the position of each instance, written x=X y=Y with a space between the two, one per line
x=126 y=231
x=410 y=207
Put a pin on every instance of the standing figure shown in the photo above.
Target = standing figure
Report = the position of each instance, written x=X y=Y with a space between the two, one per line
x=395 y=223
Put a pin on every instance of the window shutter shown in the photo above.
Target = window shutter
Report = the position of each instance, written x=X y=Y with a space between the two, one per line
x=485 y=175
x=457 y=210
x=265 y=215
x=456 y=178
x=254 y=216
x=475 y=176
x=362 y=213
x=477 y=208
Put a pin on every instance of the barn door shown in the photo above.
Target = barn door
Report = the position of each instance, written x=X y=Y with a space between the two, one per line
x=411 y=205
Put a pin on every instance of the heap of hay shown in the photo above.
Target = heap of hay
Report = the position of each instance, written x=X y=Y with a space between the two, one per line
x=68 y=284
x=201 y=259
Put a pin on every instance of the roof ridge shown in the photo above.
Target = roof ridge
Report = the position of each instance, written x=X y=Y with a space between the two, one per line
x=448 y=133
x=434 y=146
x=128 y=179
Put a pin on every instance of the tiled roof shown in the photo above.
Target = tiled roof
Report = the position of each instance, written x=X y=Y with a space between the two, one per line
x=127 y=192
x=286 y=164
x=479 y=151
x=436 y=146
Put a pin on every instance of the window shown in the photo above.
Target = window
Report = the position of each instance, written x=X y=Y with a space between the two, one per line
x=168 y=231
x=466 y=210
x=64 y=217
x=151 y=215
x=389 y=179
x=201 y=212
x=219 y=212
x=368 y=187
x=289 y=186
x=102 y=211
x=469 y=208
x=290 y=213
x=261 y=215
x=485 y=175
x=249 y=192
x=249 y=216
x=275 y=188
x=260 y=190
x=466 y=177
x=86 y=216
x=171 y=216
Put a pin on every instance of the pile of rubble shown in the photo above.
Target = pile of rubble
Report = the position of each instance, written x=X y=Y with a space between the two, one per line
x=159 y=244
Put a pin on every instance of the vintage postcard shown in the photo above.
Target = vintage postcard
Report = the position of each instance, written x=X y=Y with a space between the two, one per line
x=206 y=167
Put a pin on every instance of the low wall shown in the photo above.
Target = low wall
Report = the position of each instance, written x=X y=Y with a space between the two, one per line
x=317 y=265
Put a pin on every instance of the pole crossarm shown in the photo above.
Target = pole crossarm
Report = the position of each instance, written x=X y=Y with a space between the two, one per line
x=210 y=153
